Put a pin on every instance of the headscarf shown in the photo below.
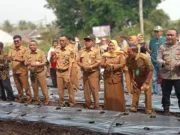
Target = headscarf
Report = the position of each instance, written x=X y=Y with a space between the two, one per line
x=138 y=35
x=134 y=38
x=116 y=50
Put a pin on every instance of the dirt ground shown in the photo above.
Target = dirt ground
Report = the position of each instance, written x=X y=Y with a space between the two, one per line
x=10 y=127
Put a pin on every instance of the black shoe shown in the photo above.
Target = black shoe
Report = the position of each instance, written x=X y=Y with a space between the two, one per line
x=166 y=111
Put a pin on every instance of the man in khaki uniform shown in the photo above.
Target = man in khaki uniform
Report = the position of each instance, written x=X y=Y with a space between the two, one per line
x=89 y=60
x=141 y=71
x=5 y=85
x=35 y=60
x=63 y=71
x=169 y=62
x=124 y=47
x=75 y=69
x=20 y=71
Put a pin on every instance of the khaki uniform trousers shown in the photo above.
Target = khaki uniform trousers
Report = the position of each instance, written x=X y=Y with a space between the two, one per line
x=62 y=79
x=91 y=85
x=40 y=79
x=128 y=81
x=75 y=76
x=148 y=96
x=21 y=81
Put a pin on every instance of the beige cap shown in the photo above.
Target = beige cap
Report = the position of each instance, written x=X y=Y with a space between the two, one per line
x=98 y=41
x=103 y=39
x=158 y=28
x=76 y=39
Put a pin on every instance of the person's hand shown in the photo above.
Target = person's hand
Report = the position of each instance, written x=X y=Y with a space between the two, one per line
x=167 y=62
x=134 y=84
x=13 y=58
x=33 y=64
x=52 y=53
x=108 y=67
x=177 y=64
x=161 y=48
x=103 y=65
x=69 y=77
x=87 y=68
x=145 y=87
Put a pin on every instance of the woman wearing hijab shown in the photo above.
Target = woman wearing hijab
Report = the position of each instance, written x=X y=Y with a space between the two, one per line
x=113 y=62
x=143 y=45
x=132 y=41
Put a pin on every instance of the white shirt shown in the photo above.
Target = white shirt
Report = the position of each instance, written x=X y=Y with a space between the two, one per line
x=49 y=53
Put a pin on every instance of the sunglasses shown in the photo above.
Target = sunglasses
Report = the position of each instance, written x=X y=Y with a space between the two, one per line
x=61 y=40
x=156 y=31
x=16 y=41
x=170 y=35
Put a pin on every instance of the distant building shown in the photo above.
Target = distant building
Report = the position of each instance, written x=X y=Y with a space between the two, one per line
x=28 y=34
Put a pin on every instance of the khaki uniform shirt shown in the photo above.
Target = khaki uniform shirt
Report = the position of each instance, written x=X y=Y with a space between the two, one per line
x=116 y=75
x=4 y=69
x=73 y=52
x=64 y=58
x=18 y=67
x=169 y=53
x=38 y=56
x=90 y=57
x=140 y=66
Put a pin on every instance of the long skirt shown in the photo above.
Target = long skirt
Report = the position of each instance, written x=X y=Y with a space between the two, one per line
x=114 y=96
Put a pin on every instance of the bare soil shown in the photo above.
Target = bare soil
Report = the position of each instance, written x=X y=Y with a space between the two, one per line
x=11 y=127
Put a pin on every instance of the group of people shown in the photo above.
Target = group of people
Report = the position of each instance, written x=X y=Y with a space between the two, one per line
x=134 y=59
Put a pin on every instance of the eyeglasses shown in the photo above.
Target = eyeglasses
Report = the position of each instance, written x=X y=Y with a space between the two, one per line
x=170 y=35
x=156 y=31
x=16 y=41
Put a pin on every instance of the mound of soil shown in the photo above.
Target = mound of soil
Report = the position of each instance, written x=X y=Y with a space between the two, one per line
x=11 y=127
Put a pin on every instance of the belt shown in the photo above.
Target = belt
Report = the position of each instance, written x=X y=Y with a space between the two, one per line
x=62 y=70
x=87 y=73
x=113 y=72
x=37 y=72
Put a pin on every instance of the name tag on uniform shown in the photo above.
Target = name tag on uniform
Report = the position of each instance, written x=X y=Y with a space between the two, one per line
x=137 y=72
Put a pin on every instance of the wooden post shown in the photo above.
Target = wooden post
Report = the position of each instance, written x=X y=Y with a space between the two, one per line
x=141 y=16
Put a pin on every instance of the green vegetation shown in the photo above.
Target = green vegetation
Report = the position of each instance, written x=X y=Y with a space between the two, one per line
x=44 y=46
x=79 y=16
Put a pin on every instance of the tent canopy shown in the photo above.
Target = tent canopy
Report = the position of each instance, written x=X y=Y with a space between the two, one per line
x=6 y=38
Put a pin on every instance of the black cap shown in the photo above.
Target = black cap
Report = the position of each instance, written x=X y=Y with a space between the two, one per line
x=90 y=37
x=1 y=45
x=71 y=38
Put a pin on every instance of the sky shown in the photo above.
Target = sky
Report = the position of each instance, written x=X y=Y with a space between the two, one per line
x=29 y=10
x=33 y=10
x=171 y=7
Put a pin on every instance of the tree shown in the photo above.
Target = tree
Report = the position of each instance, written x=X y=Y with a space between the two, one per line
x=31 y=25
x=158 y=17
x=23 y=25
x=7 y=26
x=51 y=33
x=74 y=15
